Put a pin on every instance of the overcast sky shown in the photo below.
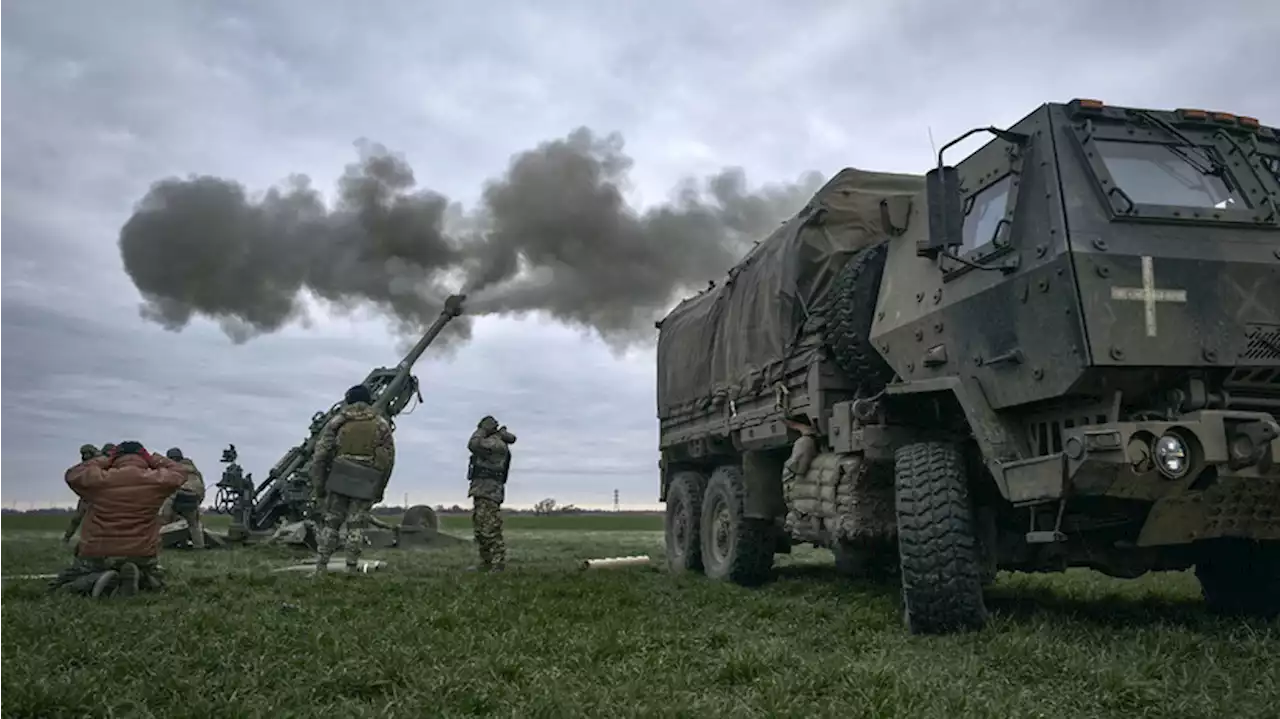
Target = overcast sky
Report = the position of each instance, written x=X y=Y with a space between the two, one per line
x=102 y=99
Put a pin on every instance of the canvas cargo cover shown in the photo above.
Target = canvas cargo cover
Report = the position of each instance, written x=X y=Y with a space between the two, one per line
x=733 y=340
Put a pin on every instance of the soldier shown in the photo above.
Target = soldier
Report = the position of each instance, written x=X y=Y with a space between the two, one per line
x=487 y=471
x=121 y=537
x=87 y=452
x=186 y=501
x=350 y=468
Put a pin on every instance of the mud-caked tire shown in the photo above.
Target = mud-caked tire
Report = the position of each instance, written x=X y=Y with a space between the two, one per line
x=1240 y=577
x=683 y=521
x=734 y=547
x=937 y=546
x=849 y=311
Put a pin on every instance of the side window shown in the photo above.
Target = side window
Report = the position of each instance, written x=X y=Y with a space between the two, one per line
x=983 y=213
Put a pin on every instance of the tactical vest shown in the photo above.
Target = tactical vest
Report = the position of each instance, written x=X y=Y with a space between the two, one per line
x=191 y=493
x=358 y=438
x=352 y=473
x=476 y=470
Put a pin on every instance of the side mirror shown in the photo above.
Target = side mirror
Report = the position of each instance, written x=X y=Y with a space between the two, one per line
x=946 y=212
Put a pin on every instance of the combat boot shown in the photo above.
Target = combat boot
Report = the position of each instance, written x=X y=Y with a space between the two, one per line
x=129 y=580
x=105 y=583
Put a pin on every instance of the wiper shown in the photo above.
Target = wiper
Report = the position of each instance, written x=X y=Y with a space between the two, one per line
x=1215 y=168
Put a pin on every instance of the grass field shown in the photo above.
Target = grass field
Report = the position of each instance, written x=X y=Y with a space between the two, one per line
x=425 y=639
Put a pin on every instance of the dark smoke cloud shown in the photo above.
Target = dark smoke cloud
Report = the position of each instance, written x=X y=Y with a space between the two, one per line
x=554 y=233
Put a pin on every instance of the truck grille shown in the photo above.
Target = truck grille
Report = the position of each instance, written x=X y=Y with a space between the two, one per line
x=1045 y=435
x=1264 y=343
x=1265 y=380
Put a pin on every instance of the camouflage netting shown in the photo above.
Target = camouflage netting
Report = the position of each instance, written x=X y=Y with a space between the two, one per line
x=733 y=340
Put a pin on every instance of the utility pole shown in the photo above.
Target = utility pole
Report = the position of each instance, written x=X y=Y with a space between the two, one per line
x=615 y=500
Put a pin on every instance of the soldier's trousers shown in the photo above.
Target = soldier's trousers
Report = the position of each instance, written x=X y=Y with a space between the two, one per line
x=84 y=571
x=486 y=519
x=82 y=507
x=173 y=508
x=337 y=509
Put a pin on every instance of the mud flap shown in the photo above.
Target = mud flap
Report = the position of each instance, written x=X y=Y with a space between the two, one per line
x=762 y=473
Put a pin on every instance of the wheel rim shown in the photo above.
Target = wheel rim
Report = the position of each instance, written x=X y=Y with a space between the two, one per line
x=679 y=529
x=721 y=531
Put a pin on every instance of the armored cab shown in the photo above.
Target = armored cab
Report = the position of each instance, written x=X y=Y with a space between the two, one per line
x=1063 y=351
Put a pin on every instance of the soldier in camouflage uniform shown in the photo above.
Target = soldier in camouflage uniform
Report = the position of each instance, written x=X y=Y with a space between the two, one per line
x=186 y=501
x=87 y=452
x=490 y=463
x=349 y=472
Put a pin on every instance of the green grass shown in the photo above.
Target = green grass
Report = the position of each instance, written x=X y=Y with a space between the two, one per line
x=621 y=522
x=424 y=638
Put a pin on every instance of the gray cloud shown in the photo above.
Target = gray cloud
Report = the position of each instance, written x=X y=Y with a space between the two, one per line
x=101 y=100
x=554 y=233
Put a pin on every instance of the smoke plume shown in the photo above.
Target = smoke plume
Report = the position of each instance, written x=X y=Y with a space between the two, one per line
x=553 y=233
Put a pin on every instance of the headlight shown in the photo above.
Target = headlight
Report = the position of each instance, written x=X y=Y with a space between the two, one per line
x=1172 y=457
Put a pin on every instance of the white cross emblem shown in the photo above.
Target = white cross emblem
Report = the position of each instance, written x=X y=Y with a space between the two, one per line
x=1148 y=294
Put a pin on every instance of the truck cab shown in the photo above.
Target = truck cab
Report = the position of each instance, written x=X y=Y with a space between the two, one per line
x=1062 y=351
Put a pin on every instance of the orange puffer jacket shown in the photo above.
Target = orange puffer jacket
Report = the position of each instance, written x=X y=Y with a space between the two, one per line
x=124 y=495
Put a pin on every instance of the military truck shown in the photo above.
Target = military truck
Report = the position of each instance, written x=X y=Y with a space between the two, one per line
x=1063 y=351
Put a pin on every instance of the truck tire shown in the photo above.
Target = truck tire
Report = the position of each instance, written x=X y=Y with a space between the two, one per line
x=684 y=515
x=850 y=308
x=937 y=546
x=734 y=547
x=1241 y=577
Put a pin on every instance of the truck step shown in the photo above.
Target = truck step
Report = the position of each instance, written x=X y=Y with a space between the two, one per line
x=1045 y=537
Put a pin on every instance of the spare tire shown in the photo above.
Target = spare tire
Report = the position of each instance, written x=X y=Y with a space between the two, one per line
x=849 y=311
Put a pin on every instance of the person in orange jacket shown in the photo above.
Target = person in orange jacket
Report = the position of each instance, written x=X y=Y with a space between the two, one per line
x=120 y=534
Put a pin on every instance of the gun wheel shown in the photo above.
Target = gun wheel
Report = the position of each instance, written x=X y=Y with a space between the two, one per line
x=420 y=515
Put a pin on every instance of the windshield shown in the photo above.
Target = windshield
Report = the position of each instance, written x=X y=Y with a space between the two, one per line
x=1156 y=174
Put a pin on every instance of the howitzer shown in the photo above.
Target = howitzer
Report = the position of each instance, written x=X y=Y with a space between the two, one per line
x=286 y=492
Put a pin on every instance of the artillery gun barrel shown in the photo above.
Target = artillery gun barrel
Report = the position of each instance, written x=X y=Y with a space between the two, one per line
x=452 y=308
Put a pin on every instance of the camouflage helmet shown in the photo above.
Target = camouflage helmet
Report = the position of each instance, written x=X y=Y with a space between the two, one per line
x=108 y=447
x=174 y=453
x=488 y=423
x=88 y=451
